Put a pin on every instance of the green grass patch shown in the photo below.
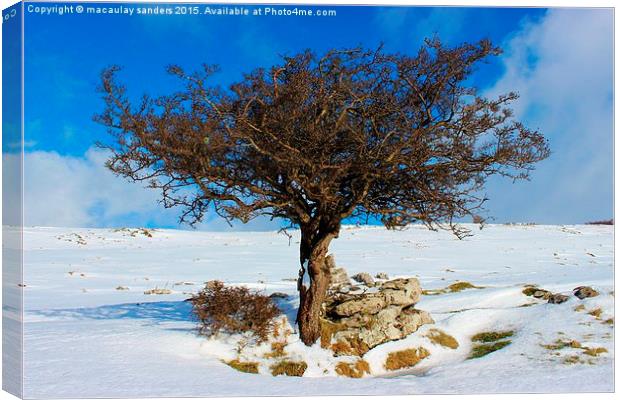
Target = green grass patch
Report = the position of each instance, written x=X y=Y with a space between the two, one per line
x=487 y=337
x=482 y=350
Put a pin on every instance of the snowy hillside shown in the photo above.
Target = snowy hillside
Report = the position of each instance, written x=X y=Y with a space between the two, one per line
x=90 y=331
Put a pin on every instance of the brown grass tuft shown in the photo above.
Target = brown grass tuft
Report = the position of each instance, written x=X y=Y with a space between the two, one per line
x=595 y=351
x=247 y=367
x=459 y=286
x=441 y=338
x=327 y=331
x=289 y=368
x=405 y=358
x=353 y=370
x=277 y=350
x=596 y=313
x=341 y=348
x=561 y=344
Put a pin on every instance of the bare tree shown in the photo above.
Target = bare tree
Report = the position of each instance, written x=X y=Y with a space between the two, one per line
x=315 y=140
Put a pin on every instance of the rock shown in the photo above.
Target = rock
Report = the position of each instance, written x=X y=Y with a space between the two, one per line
x=542 y=294
x=365 y=305
x=360 y=322
x=402 y=292
x=278 y=295
x=365 y=278
x=583 y=292
x=557 y=298
x=391 y=323
x=338 y=276
x=382 y=275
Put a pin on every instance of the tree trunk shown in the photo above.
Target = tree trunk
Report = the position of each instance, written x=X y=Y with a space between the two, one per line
x=314 y=278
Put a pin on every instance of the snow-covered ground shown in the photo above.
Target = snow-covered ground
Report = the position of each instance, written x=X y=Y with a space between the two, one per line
x=85 y=338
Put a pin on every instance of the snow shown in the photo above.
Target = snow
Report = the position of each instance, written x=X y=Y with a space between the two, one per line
x=85 y=338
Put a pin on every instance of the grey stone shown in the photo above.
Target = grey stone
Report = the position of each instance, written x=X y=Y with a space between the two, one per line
x=542 y=294
x=382 y=275
x=338 y=276
x=278 y=295
x=557 y=298
x=382 y=313
x=583 y=292
x=365 y=278
x=364 y=304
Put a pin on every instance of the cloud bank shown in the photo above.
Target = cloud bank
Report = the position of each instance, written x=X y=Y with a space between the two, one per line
x=562 y=66
x=81 y=192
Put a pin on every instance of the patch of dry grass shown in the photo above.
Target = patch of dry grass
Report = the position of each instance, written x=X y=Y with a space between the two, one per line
x=328 y=329
x=353 y=370
x=460 y=286
x=561 y=344
x=596 y=313
x=441 y=338
x=289 y=368
x=594 y=351
x=453 y=288
x=277 y=350
x=247 y=367
x=487 y=337
x=405 y=358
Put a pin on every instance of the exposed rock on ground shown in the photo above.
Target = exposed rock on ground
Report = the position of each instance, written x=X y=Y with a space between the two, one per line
x=338 y=275
x=365 y=278
x=558 y=298
x=583 y=292
x=382 y=275
x=356 y=319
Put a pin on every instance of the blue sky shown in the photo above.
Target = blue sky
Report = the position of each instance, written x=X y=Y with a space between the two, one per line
x=566 y=89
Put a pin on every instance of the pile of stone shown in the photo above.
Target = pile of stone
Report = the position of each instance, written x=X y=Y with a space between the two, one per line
x=581 y=292
x=358 y=317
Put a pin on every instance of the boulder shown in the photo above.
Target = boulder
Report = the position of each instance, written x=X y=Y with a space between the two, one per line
x=583 y=292
x=542 y=294
x=382 y=275
x=338 y=276
x=557 y=298
x=385 y=312
x=391 y=323
x=365 y=278
x=363 y=304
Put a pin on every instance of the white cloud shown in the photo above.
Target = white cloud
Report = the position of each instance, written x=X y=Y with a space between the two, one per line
x=562 y=66
x=81 y=192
